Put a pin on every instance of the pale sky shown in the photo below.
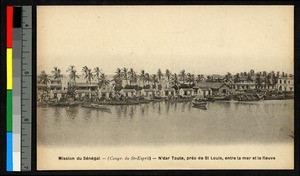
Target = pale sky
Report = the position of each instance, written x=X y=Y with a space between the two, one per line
x=199 y=39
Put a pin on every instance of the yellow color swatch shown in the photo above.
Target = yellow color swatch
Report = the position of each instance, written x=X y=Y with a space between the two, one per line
x=9 y=66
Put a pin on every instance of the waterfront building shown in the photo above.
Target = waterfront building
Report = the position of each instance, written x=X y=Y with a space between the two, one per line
x=58 y=94
x=83 y=93
x=106 y=93
x=128 y=93
x=202 y=91
x=41 y=91
x=149 y=93
x=168 y=92
x=216 y=88
x=218 y=78
x=186 y=92
x=244 y=83
x=285 y=83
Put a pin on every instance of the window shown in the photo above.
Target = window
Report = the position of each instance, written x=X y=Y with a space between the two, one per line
x=284 y=81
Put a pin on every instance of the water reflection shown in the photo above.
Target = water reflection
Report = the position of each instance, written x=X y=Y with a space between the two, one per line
x=200 y=107
x=168 y=122
x=71 y=112
x=131 y=113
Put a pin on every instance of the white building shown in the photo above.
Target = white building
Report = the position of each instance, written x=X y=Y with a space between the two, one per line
x=285 y=83
x=149 y=93
x=186 y=92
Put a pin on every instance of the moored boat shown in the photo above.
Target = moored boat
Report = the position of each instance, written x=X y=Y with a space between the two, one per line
x=174 y=100
x=63 y=103
x=221 y=98
x=73 y=103
x=119 y=103
x=96 y=106
x=250 y=97
x=200 y=103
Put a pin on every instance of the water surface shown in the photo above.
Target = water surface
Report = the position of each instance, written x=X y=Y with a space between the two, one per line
x=168 y=123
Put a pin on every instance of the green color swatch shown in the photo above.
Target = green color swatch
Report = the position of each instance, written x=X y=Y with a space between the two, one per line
x=9 y=110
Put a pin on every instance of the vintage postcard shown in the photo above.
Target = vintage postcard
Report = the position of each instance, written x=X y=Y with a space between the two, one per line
x=165 y=87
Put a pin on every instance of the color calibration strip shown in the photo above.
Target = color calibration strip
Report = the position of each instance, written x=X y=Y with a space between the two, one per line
x=18 y=113
x=26 y=87
x=9 y=83
x=16 y=120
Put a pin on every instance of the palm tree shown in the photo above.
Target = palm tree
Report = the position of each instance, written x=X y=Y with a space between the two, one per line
x=268 y=80
x=118 y=77
x=72 y=81
x=97 y=72
x=147 y=78
x=44 y=79
x=168 y=75
x=249 y=78
x=175 y=81
x=258 y=80
x=159 y=75
x=125 y=74
x=228 y=77
x=72 y=74
x=132 y=76
x=159 y=78
x=274 y=79
x=200 y=78
x=57 y=75
x=88 y=75
x=154 y=79
x=142 y=76
x=85 y=70
x=209 y=78
x=103 y=81
x=182 y=75
x=236 y=78
x=190 y=78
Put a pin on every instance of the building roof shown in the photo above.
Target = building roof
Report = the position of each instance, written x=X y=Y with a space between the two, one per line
x=243 y=78
x=128 y=90
x=59 y=91
x=169 y=89
x=81 y=84
x=215 y=76
x=55 y=85
x=210 y=85
x=286 y=77
x=205 y=88
x=187 y=89
x=106 y=90
x=82 y=91
x=149 y=90
x=202 y=88
x=41 y=85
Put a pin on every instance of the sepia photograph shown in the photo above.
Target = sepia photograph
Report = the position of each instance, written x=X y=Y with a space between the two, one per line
x=165 y=87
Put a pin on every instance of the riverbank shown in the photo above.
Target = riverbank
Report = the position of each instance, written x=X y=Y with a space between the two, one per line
x=234 y=97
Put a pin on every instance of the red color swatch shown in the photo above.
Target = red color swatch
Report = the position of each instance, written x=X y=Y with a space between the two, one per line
x=9 y=25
